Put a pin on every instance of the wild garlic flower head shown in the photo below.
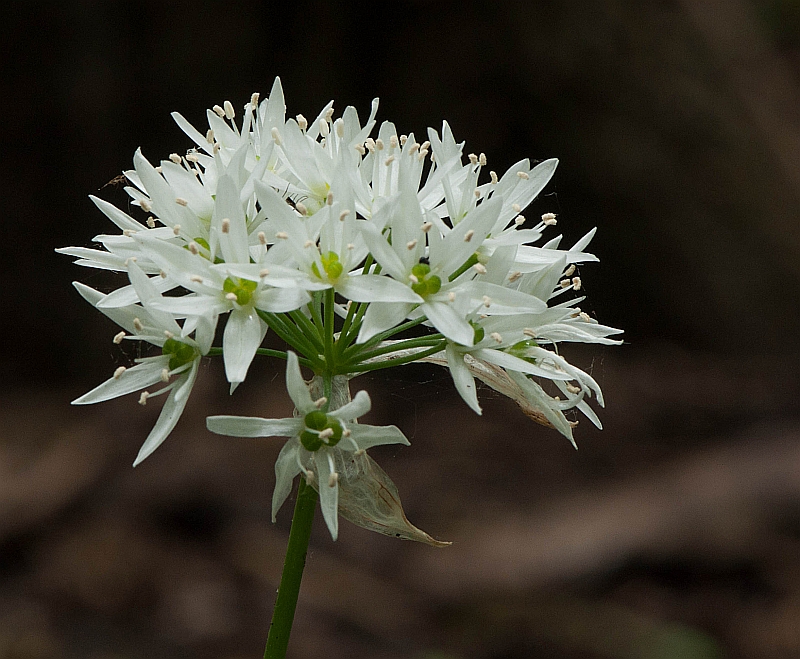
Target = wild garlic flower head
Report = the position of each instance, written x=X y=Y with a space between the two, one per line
x=338 y=237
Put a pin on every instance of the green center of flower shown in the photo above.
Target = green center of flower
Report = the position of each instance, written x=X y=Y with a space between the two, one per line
x=426 y=283
x=180 y=353
x=331 y=265
x=321 y=430
x=520 y=349
x=243 y=289
x=477 y=332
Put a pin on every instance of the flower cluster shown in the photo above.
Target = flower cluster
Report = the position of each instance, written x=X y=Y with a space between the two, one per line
x=360 y=253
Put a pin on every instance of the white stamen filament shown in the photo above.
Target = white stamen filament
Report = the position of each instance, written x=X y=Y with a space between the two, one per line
x=389 y=161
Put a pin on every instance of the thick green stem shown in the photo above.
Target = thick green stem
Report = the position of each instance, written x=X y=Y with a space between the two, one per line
x=289 y=589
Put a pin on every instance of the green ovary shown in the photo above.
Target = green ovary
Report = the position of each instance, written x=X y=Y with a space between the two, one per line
x=315 y=423
x=179 y=353
x=426 y=284
x=331 y=265
x=520 y=349
x=243 y=289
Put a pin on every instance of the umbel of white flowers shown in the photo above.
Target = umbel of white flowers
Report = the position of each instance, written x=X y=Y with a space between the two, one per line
x=338 y=242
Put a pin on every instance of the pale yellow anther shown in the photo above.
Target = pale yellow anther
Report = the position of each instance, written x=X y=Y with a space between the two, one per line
x=162 y=274
x=451 y=296
x=572 y=388
x=118 y=372
x=210 y=136
x=143 y=397
x=468 y=235
x=568 y=272
x=137 y=325
x=514 y=276
x=493 y=176
x=523 y=175
x=226 y=225
x=308 y=243
x=254 y=99
x=347 y=432
x=479 y=268
x=482 y=160
x=529 y=332
x=176 y=229
x=262 y=237
x=118 y=338
x=413 y=279
x=360 y=148
x=320 y=402
x=473 y=159
x=328 y=114
x=350 y=246
x=197 y=279
x=131 y=259
x=229 y=112
x=422 y=154
x=403 y=140
x=281 y=235
x=549 y=219
x=165 y=375
x=519 y=220
x=324 y=129
x=425 y=145
x=393 y=142
x=264 y=272
x=339 y=126
x=220 y=112
x=231 y=297
x=181 y=201
x=413 y=148
x=496 y=336
x=215 y=150
x=329 y=199
x=325 y=434
x=301 y=208
x=344 y=214
x=379 y=144
x=516 y=208
x=276 y=136
x=150 y=221
x=309 y=475
x=146 y=205
x=487 y=301
x=128 y=232
x=192 y=157
x=174 y=157
x=333 y=479
x=477 y=194
x=370 y=143
x=585 y=317
x=159 y=169
x=194 y=248
x=359 y=452
x=572 y=424
x=576 y=283
x=565 y=283
x=411 y=244
x=426 y=226
x=302 y=122
x=169 y=334
x=388 y=161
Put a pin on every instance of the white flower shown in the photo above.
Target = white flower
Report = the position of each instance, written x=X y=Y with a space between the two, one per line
x=316 y=437
x=177 y=366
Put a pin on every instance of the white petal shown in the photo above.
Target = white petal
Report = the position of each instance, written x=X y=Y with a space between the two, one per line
x=448 y=322
x=382 y=251
x=357 y=407
x=382 y=316
x=286 y=468
x=132 y=379
x=250 y=426
x=368 y=436
x=167 y=420
x=462 y=378
x=328 y=496
x=281 y=300
x=227 y=206
x=296 y=386
x=374 y=288
x=244 y=332
x=118 y=217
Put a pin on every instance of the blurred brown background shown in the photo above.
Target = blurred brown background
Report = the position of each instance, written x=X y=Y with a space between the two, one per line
x=675 y=532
